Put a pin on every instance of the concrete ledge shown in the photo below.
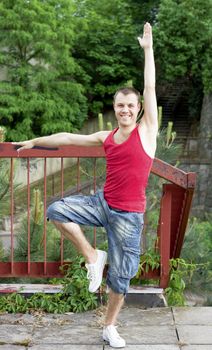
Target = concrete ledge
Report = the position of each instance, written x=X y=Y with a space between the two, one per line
x=146 y=297
x=137 y=295
x=6 y=288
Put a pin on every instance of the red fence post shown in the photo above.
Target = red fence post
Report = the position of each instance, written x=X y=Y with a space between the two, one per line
x=165 y=236
x=12 y=214
x=28 y=219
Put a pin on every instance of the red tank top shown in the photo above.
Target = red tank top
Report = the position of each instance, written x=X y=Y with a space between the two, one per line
x=127 y=172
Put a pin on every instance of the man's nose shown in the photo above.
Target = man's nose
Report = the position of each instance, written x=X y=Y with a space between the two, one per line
x=125 y=108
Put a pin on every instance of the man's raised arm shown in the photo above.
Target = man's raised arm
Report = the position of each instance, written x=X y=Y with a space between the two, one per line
x=150 y=103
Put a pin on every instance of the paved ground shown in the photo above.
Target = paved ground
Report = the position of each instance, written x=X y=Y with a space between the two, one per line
x=151 y=329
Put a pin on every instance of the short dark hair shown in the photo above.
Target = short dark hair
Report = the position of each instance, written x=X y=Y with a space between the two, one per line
x=127 y=91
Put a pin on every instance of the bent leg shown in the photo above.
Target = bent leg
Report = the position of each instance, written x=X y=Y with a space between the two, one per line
x=69 y=213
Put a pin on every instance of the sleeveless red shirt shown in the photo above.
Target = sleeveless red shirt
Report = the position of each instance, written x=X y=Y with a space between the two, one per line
x=127 y=172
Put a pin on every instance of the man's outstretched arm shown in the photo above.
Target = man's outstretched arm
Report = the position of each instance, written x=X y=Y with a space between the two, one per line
x=64 y=138
x=150 y=118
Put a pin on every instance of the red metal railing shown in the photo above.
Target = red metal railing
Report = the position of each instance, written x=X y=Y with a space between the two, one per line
x=175 y=206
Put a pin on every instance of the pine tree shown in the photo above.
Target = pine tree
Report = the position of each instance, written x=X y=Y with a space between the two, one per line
x=39 y=91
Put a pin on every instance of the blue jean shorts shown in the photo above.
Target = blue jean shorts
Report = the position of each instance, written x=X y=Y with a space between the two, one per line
x=123 y=231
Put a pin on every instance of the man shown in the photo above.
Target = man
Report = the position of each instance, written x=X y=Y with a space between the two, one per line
x=130 y=150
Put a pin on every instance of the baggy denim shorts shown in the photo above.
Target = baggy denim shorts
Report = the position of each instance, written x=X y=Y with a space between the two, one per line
x=123 y=231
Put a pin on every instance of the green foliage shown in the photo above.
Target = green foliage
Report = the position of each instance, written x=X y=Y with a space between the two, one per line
x=75 y=287
x=183 y=34
x=74 y=298
x=198 y=248
x=40 y=74
x=150 y=260
x=143 y=11
x=193 y=271
x=108 y=52
x=53 y=71
x=179 y=269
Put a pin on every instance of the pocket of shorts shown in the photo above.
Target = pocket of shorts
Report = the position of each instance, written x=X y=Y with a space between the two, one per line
x=130 y=262
x=134 y=227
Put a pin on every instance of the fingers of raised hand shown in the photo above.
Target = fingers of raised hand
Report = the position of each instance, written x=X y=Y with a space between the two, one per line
x=146 y=40
x=147 y=28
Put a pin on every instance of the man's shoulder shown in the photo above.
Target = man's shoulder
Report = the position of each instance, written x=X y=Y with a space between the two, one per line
x=103 y=135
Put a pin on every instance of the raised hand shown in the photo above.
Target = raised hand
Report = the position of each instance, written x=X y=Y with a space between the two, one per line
x=146 y=41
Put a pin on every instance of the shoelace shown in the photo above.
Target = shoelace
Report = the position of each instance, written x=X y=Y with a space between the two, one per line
x=91 y=272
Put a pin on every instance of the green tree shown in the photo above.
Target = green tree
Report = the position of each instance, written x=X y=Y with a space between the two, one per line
x=106 y=48
x=183 y=33
x=143 y=11
x=40 y=93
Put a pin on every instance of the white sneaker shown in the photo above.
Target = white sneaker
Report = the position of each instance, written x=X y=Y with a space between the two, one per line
x=111 y=335
x=95 y=271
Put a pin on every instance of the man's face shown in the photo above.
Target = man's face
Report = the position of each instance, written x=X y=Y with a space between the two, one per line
x=126 y=109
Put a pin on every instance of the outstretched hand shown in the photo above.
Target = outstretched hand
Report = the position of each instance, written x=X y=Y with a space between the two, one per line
x=24 y=145
x=146 y=41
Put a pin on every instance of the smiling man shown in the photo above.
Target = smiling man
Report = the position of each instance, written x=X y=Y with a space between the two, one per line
x=120 y=206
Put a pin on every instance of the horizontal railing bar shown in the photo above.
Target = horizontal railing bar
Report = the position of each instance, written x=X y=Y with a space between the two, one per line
x=159 y=168
x=53 y=269
x=173 y=174
x=8 y=150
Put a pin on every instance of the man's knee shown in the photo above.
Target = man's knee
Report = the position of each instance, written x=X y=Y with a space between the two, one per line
x=55 y=212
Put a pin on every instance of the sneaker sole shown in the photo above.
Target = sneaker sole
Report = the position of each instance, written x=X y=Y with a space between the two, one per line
x=112 y=345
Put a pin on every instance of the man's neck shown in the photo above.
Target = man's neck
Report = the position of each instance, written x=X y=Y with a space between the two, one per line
x=123 y=133
x=126 y=130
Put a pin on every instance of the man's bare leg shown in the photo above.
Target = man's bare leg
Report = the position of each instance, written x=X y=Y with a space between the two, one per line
x=110 y=333
x=74 y=233
x=115 y=303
